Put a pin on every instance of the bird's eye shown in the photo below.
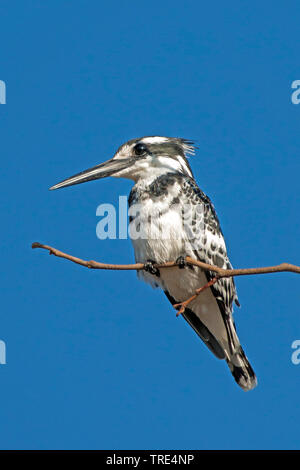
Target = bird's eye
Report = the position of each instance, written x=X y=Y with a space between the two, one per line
x=140 y=149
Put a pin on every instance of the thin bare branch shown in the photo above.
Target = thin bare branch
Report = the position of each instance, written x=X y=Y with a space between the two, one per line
x=284 y=267
x=95 y=264
x=180 y=307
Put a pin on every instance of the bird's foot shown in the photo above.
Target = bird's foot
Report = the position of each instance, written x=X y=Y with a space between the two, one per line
x=181 y=262
x=150 y=268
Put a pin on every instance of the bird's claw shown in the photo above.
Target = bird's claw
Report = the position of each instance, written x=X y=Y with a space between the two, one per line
x=150 y=268
x=181 y=262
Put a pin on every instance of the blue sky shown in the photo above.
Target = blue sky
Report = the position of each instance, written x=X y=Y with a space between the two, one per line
x=98 y=359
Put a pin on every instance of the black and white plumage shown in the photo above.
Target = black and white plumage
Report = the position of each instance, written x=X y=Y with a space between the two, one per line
x=170 y=217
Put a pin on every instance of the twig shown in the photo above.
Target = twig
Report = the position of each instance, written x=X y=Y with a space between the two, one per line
x=185 y=303
x=220 y=273
x=95 y=264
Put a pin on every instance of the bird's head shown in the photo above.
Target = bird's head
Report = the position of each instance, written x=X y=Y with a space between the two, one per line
x=144 y=158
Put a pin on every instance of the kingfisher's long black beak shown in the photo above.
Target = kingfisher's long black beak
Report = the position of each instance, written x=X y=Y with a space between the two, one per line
x=109 y=168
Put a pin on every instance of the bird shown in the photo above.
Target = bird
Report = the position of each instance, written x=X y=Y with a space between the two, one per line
x=171 y=218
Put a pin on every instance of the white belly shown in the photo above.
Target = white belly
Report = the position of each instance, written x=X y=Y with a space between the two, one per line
x=164 y=240
x=157 y=231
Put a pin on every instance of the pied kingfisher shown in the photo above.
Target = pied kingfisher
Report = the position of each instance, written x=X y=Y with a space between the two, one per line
x=165 y=207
